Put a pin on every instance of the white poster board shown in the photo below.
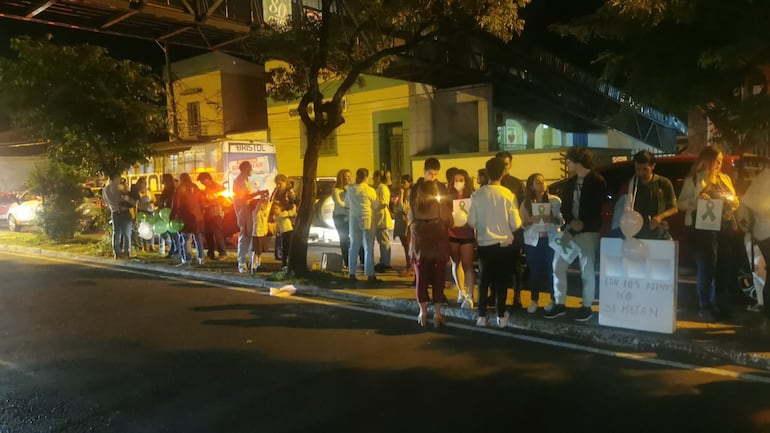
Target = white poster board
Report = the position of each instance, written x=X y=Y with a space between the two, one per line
x=568 y=251
x=461 y=204
x=638 y=294
x=540 y=211
x=709 y=214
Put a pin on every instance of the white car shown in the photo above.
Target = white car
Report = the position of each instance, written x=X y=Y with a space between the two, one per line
x=24 y=211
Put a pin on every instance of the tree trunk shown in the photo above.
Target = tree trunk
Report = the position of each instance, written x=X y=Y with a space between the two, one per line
x=298 y=252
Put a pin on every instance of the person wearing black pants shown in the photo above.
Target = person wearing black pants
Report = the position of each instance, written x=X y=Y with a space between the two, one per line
x=494 y=213
x=516 y=186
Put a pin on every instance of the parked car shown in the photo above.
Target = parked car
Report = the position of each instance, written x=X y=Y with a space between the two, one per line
x=322 y=228
x=6 y=200
x=23 y=211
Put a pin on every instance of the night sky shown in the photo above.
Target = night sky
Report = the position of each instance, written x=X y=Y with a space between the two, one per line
x=538 y=15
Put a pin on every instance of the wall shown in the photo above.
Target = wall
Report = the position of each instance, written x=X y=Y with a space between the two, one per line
x=209 y=97
x=357 y=138
x=549 y=163
x=243 y=99
x=15 y=170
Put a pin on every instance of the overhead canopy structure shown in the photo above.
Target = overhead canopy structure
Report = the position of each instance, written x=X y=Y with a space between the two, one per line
x=205 y=24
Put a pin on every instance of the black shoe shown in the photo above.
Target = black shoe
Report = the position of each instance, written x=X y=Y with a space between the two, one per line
x=379 y=268
x=373 y=280
x=584 y=314
x=706 y=315
x=517 y=305
x=557 y=311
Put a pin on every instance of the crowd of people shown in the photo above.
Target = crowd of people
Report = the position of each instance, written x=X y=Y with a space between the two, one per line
x=480 y=234
x=488 y=231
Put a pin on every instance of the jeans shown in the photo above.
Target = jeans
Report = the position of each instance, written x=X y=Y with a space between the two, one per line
x=186 y=252
x=245 y=219
x=215 y=240
x=343 y=230
x=715 y=250
x=588 y=243
x=121 y=233
x=518 y=270
x=540 y=261
x=286 y=245
x=496 y=269
x=358 y=236
x=383 y=239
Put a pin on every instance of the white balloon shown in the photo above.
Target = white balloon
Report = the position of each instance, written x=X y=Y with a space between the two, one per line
x=460 y=218
x=631 y=222
x=145 y=230
x=636 y=250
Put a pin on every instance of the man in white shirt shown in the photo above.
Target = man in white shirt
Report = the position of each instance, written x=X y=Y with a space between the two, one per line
x=361 y=200
x=243 y=214
x=495 y=216
x=383 y=219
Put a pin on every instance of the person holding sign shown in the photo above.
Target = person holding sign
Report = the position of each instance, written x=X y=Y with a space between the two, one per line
x=652 y=196
x=709 y=202
x=582 y=210
x=540 y=214
x=462 y=238
x=495 y=216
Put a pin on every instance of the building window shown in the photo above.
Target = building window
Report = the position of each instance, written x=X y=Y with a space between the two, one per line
x=193 y=118
x=328 y=147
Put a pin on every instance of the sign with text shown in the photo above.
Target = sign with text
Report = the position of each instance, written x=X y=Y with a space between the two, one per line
x=638 y=294
x=276 y=10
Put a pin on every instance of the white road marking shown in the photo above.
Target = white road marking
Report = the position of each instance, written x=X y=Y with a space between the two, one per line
x=748 y=377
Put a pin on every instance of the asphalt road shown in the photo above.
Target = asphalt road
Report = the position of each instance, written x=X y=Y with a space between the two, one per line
x=91 y=349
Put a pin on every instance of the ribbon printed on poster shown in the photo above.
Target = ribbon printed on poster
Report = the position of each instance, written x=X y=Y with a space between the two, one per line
x=568 y=251
x=709 y=214
x=540 y=211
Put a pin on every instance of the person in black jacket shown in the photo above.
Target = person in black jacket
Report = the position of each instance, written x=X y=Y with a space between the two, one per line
x=582 y=199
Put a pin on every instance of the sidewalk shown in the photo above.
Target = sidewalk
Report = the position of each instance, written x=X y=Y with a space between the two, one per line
x=743 y=340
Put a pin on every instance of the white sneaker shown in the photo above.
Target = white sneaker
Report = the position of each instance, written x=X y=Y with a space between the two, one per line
x=460 y=297
x=548 y=308
x=467 y=303
x=532 y=307
x=242 y=268
x=502 y=322
x=481 y=322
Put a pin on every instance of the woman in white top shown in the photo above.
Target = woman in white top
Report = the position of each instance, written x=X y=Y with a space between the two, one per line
x=713 y=249
x=341 y=213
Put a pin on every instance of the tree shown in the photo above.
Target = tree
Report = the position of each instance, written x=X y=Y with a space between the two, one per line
x=95 y=112
x=684 y=54
x=346 y=39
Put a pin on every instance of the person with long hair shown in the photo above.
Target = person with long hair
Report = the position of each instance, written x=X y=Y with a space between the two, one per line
x=382 y=218
x=166 y=201
x=713 y=249
x=401 y=221
x=538 y=251
x=430 y=216
x=188 y=206
x=341 y=213
x=462 y=241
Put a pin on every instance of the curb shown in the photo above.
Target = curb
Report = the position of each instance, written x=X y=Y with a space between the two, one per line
x=590 y=333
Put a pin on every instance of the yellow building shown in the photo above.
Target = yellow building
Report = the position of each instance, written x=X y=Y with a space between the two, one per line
x=216 y=99
x=375 y=133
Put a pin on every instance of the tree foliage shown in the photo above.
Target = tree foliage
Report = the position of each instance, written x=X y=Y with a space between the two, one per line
x=60 y=186
x=682 y=54
x=349 y=38
x=94 y=111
